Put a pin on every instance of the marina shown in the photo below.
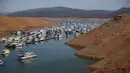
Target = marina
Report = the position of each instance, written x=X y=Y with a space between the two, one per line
x=64 y=36
x=48 y=44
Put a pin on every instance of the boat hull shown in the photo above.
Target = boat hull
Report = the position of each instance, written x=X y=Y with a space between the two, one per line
x=29 y=57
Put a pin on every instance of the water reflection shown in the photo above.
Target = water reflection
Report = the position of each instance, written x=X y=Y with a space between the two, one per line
x=26 y=61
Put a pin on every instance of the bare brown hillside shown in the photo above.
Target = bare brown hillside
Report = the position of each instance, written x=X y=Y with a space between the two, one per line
x=9 y=24
x=105 y=41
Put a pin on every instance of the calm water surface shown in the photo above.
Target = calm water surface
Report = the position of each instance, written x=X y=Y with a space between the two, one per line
x=53 y=57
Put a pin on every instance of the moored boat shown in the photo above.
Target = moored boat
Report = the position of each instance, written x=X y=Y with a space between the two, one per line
x=26 y=55
x=5 y=52
x=1 y=62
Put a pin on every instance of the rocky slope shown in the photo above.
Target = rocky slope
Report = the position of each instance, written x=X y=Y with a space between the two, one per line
x=9 y=24
x=109 y=43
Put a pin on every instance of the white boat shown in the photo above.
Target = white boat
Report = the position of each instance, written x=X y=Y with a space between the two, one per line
x=19 y=33
x=19 y=44
x=60 y=36
x=5 y=51
x=16 y=41
x=42 y=39
x=18 y=47
x=10 y=39
x=26 y=55
x=1 y=62
x=36 y=39
x=3 y=39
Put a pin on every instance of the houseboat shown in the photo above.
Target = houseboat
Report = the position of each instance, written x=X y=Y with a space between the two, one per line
x=26 y=55
x=5 y=52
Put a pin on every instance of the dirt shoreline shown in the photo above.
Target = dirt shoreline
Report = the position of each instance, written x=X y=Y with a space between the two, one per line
x=109 y=43
x=78 y=47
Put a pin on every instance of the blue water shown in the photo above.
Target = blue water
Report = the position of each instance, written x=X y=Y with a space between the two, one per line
x=53 y=57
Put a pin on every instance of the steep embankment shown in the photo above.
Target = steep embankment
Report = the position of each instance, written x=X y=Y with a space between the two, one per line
x=109 y=43
x=9 y=24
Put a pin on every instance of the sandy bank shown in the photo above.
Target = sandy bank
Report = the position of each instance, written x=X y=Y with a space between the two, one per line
x=104 y=41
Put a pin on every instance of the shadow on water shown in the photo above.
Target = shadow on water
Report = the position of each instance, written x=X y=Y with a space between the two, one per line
x=27 y=61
